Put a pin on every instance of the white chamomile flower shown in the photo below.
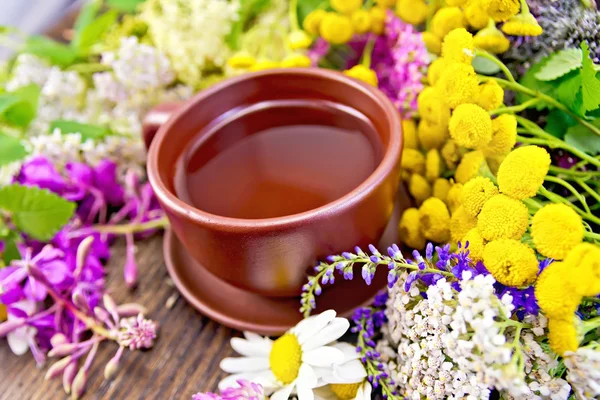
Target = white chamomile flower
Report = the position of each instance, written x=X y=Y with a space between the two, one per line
x=346 y=380
x=294 y=363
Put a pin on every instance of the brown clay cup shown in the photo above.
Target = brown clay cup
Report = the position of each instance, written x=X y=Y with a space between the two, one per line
x=271 y=257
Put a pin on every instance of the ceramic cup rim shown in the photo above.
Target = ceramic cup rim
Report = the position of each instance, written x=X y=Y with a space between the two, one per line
x=389 y=162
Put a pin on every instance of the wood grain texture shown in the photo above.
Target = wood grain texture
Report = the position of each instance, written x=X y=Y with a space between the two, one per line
x=184 y=360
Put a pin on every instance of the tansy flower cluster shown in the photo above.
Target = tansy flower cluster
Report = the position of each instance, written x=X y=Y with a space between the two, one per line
x=480 y=16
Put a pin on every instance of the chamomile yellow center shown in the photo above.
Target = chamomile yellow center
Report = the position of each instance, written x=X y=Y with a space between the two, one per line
x=345 y=391
x=285 y=358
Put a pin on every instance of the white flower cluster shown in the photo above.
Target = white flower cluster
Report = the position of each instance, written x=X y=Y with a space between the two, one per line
x=584 y=371
x=27 y=69
x=177 y=28
x=459 y=345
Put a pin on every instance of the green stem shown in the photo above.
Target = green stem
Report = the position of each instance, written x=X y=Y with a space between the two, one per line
x=533 y=204
x=588 y=189
x=499 y=63
x=573 y=173
x=515 y=109
x=590 y=325
x=592 y=235
x=368 y=52
x=293 y=15
x=570 y=188
x=159 y=223
x=559 y=199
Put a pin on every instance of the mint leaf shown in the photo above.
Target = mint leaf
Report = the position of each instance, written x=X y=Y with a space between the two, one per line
x=529 y=80
x=11 y=252
x=92 y=33
x=19 y=108
x=568 y=88
x=485 y=66
x=590 y=85
x=127 y=6
x=86 y=16
x=34 y=211
x=583 y=139
x=558 y=122
x=55 y=52
x=559 y=64
x=11 y=149
x=87 y=131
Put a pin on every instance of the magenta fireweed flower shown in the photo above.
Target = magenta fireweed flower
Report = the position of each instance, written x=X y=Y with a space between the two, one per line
x=244 y=391
x=137 y=333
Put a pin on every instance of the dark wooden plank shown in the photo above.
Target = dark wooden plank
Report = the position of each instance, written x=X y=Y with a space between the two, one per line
x=184 y=360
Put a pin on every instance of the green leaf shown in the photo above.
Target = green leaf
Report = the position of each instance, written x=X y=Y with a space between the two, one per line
x=559 y=64
x=11 y=149
x=11 y=252
x=485 y=66
x=53 y=51
x=558 y=122
x=249 y=9
x=19 y=108
x=34 y=211
x=583 y=139
x=590 y=86
x=87 y=131
x=93 y=32
x=305 y=7
x=128 y=6
x=568 y=88
x=529 y=80
x=86 y=16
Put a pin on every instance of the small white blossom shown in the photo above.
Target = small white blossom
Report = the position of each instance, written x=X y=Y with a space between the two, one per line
x=584 y=371
x=28 y=69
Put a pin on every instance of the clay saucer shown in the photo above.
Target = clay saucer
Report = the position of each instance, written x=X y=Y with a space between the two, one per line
x=246 y=311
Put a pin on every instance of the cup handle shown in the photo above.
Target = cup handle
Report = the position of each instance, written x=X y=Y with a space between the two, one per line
x=155 y=118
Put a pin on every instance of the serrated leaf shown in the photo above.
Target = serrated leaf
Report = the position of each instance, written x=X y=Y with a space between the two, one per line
x=590 y=85
x=485 y=66
x=558 y=122
x=559 y=64
x=34 y=211
x=55 y=52
x=583 y=139
x=11 y=149
x=568 y=87
x=92 y=33
x=19 y=108
x=87 y=131
x=11 y=251
x=529 y=80
x=128 y=6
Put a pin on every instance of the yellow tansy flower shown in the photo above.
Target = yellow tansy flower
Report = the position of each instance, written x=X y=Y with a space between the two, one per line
x=410 y=229
x=490 y=95
x=470 y=126
x=454 y=198
x=241 y=61
x=346 y=6
x=378 y=17
x=469 y=166
x=476 y=244
x=502 y=217
x=522 y=172
x=451 y=154
x=435 y=220
x=299 y=40
x=461 y=223
x=262 y=65
x=296 y=61
x=336 y=29
x=504 y=136
x=432 y=107
x=431 y=136
x=459 y=84
x=441 y=187
x=412 y=11
x=476 y=193
x=556 y=229
x=476 y=15
x=419 y=188
x=458 y=46
x=386 y=3
x=501 y=10
x=433 y=165
x=492 y=40
x=555 y=293
x=435 y=70
x=409 y=132
x=413 y=160
x=562 y=335
x=522 y=25
x=583 y=264
x=432 y=42
x=494 y=161
x=312 y=22
x=511 y=262
x=361 y=21
x=456 y=3
x=447 y=19
x=364 y=74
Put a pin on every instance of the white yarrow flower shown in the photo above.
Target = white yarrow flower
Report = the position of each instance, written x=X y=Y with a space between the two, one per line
x=584 y=371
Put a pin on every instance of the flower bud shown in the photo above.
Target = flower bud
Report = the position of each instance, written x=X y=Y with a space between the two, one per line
x=58 y=339
x=63 y=349
x=109 y=304
x=69 y=375
x=9 y=326
x=131 y=310
x=57 y=368
x=113 y=365
x=78 y=387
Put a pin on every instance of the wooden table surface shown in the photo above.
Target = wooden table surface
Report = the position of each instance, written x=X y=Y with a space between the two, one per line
x=185 y=358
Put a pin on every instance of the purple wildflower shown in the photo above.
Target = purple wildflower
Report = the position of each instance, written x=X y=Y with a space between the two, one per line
x=244 y=391
x=137 y=333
